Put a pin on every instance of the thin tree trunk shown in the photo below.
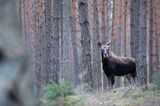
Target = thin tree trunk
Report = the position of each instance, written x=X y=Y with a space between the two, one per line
x=154 y=39
x=65 y=40
x=96 y=62
x=55 y=41
x=116 y=32
x=75 y=40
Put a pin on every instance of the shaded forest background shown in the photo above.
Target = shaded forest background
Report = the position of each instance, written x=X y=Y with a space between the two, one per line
x=62 y=35
x=48 y=49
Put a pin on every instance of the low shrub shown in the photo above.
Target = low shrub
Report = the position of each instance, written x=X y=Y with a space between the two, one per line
x=53 y=91
x=157 y=80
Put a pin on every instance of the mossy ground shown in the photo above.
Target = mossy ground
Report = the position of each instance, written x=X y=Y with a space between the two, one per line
x=124 y=96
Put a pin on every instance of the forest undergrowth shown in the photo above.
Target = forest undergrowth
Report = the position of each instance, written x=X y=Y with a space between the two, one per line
x=65 y=94
x=124 y=96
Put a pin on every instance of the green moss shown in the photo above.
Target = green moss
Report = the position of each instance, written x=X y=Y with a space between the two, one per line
x=72 y=100
x=117 y=97
x=157 y=80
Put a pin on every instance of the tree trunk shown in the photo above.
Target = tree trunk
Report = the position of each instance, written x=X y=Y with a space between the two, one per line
x=153 y=38
x=75 y=41
x=65 y=40
x=103 y=28
x=85 y=41
x=96 y=57
x=15 y=75
x=54 y=59
x=138 y=30
x=116 y=43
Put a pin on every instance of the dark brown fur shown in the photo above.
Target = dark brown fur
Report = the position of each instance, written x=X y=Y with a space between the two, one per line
x=118 y=66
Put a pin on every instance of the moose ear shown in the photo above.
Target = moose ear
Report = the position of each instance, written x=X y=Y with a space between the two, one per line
x=99 y=44
x=109 y=42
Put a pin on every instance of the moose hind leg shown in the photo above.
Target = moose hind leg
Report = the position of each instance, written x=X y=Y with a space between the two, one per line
x=128 y=76
x=134 y=80
x=109 y=81
x=134 y=75
x=112 y=81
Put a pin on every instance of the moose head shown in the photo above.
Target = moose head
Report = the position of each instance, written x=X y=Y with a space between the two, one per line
x=105 y=49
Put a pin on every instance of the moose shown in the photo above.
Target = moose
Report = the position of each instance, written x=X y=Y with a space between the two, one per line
x=114 y=65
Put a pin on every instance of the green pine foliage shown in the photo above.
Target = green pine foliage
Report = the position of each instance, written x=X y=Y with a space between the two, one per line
x=157 y=80
x=59 y=95
x=53 y=91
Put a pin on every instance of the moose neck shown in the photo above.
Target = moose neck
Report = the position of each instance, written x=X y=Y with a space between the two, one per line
x=105 y=60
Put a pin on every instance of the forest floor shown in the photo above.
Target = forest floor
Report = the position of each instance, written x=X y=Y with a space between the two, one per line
x=124 y=96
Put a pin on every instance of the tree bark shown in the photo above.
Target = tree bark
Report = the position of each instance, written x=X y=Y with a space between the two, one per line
x=75 y=36
x=85 y=41
x=153 y=38
x=138 y=30
x=96 y=56
x=65 y=40
x=54 y=60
